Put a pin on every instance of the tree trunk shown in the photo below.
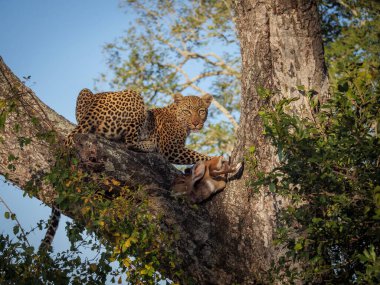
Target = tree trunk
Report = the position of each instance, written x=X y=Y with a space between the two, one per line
x=281 y=48
x=230 y=238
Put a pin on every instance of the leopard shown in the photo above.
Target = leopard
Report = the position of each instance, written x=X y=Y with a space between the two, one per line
x=123 y=116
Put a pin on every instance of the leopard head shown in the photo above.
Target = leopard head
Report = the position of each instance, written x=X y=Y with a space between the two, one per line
x=192 y=111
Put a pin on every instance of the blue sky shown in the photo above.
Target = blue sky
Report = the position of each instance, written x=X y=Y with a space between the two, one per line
x=59 y=44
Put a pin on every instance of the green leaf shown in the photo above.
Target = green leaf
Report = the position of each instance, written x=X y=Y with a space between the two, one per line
x=298 y=246
x=93 y=267
x=11 y=157
x=343 y=87
x=3 y=117
x=301 y=87
x=7 y=215
x=3 y=103
x=16 y=229
x=279 y=151
x=316 y=220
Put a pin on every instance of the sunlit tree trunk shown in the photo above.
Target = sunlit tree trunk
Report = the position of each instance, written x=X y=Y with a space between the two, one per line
x=281 y=48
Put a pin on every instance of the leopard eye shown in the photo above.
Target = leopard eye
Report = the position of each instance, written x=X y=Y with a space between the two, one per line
x=202 y=112
x=186 y=112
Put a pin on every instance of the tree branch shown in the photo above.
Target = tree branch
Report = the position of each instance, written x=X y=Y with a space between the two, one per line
x=198 y=245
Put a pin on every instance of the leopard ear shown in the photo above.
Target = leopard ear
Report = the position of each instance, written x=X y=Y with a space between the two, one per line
x=207 y=99
x=177 y=98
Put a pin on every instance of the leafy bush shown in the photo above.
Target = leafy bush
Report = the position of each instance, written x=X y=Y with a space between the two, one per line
x=329 y=171
x=120 y=230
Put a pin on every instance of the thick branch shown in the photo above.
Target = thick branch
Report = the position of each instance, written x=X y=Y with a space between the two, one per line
x=26 y=118
x=198 y=246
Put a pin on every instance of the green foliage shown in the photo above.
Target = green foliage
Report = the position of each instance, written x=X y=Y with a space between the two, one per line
x=21 y=265
x=119 y=226
x=338 y=16
x=330 y=173
x=355 y=52
x=329 y=164
x=124 y=224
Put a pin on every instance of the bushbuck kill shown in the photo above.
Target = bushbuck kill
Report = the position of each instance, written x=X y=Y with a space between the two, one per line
x=206 y=178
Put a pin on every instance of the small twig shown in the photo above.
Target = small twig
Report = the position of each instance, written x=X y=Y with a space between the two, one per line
x=23 y=90
x=17 y=221
x=347 y=6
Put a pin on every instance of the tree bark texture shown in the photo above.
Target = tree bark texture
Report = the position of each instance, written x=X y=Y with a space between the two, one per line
x=281 y=48
x=229 y=238
x=30 y=118
x=198 y=245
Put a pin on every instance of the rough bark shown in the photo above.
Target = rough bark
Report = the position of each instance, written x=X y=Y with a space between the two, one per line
x=32 y=118
x=197 y=244
x=228 y=239
x=281 y=48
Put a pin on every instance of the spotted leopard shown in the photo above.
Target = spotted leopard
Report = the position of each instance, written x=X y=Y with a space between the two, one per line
x=122 y=116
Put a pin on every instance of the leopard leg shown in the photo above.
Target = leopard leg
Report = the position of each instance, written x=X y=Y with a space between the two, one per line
x=144 y=146
x=184 y=156
x=140 y=141
x=133 y=142
x=79 y=129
